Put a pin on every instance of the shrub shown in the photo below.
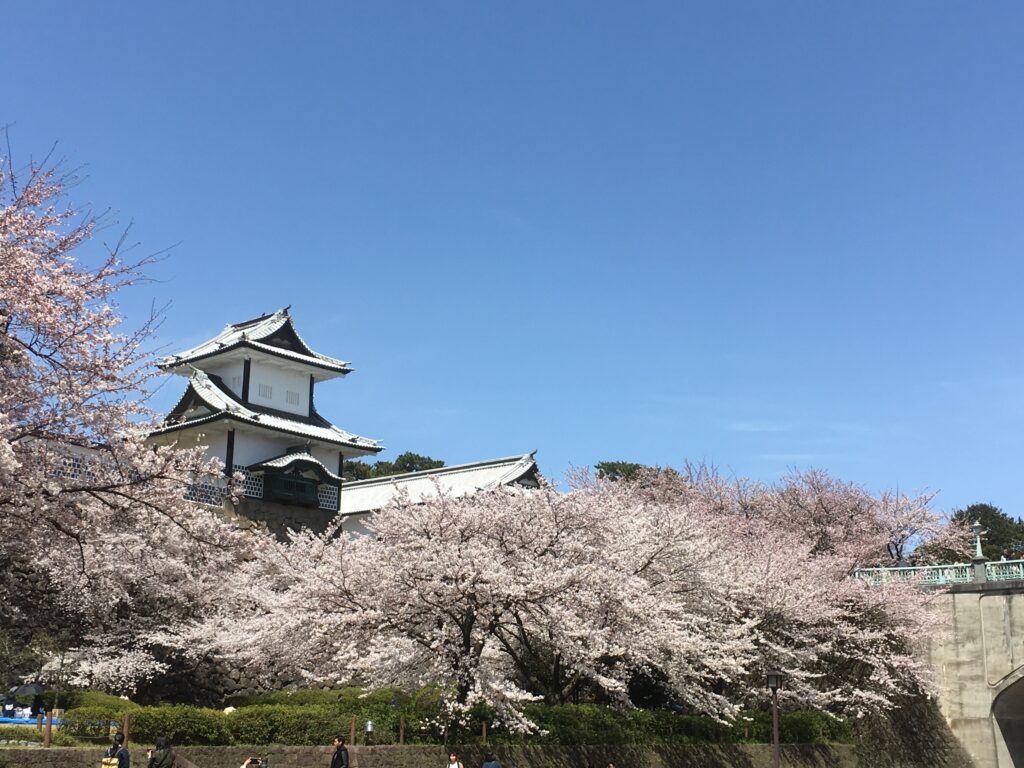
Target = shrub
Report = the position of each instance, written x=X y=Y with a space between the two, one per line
x=90 y=723
x=280 y=724
x=577 y=724
x=29 y=733
x=181 y=724
x=75 y=699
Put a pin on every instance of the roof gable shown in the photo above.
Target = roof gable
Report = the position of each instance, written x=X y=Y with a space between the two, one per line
x=209 y=392
x=272 y=334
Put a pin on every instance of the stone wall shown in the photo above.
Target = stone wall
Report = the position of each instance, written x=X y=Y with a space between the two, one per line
x=689 y=756
x=980 y=668
x=280 y=518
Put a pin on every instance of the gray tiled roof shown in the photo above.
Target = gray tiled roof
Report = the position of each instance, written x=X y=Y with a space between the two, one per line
x=363 y=496
x=297 y=457
x=222 y=404
x=252 y=334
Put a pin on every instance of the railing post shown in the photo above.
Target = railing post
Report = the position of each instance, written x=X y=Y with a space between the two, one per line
x=352 y=732
x=126 y=727
x=980 y=571
x=401 y=730
x=48 y=729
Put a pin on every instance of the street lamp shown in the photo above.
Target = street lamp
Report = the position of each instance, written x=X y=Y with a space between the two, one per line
x=369 y=731
x=774 y=680
x=979 y=531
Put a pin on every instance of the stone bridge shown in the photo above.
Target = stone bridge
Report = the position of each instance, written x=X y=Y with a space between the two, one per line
x=980 y=660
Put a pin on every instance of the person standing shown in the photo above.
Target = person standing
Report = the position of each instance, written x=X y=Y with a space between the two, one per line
x=118 y=751
x=340 y=757
x=453 y=761
x=161 y=756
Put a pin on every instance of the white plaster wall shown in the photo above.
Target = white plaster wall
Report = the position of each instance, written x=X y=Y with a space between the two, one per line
x=327 y=456
x=231 y=373
x=355 y=523
x=280 y=380
x=251 y=447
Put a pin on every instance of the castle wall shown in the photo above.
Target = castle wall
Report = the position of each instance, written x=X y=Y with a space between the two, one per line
x=282 y=382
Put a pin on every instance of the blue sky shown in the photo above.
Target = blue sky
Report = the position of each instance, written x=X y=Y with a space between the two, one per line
x=768 y=235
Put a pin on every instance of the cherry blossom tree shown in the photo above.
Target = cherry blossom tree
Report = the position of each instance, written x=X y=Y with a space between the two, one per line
x=96 y=541
x=847 y=647
x=513 y=595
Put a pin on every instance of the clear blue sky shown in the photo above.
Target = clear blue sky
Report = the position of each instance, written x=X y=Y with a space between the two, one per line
x=769 y=235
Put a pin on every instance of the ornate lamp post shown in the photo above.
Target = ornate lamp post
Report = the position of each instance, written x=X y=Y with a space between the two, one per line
x=774 y=680
x=980 y=571
x=978 y=529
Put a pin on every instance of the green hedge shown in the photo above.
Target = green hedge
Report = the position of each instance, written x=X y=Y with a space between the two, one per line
x=278 y=724
x=181 y=724
x=73 y=699
x=316 y=717
x=29 y=733
x=90 y=723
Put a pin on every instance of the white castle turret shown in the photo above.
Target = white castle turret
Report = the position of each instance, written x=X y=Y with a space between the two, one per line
x=250 y=401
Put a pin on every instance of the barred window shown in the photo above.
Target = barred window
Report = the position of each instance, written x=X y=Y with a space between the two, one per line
x=266 y=391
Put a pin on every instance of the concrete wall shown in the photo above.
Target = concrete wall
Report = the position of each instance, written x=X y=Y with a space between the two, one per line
x=690 y=756
x=980 y=662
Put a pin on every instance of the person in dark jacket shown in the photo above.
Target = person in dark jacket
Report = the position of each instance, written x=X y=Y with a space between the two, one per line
x=10 y=705
x=490 y=761
x=120 y=751
x=340 y=757
x=161 y=756
x=38 y=707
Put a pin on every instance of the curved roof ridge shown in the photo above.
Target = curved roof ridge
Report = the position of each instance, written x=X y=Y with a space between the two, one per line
x=291 y=457
x=253 y=334
x=208 y=388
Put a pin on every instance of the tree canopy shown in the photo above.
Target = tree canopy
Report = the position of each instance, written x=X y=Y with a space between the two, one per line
x=406 y=462
x=1003 y=533
x=619 y=470
x=97 y=542
x=695 y=582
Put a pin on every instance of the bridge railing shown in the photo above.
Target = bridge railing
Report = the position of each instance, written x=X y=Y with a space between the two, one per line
x=1005 y=570
x=943 y=575
x=928 y=575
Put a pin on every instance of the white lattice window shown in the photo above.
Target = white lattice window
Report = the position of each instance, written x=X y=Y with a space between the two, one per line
x=327 y=495
x=252 y=484
x=265 y=391
x=292 y=398
x=204 y=493
x=74 y=467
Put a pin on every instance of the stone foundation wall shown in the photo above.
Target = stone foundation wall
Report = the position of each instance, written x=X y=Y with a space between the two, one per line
x=689 y=756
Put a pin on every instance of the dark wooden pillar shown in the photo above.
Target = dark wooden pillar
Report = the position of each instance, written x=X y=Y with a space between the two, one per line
x=246 y=366
x=229 y=454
